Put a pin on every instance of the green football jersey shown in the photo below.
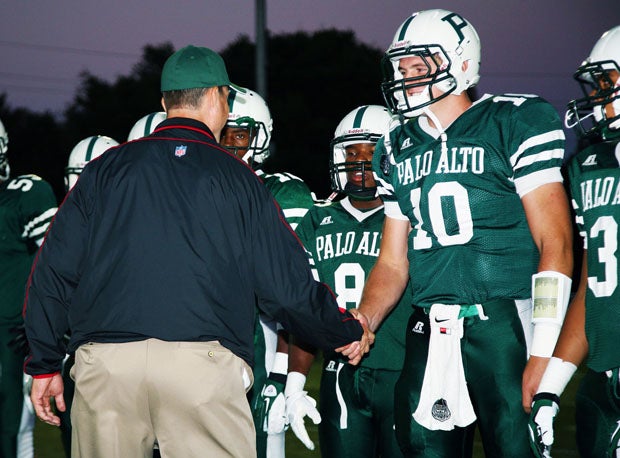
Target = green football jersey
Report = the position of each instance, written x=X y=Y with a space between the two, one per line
x=461 y=192
x=27 y=205
x=594 y=179
x=291 y=193
x=294 y=198
x=343 y=244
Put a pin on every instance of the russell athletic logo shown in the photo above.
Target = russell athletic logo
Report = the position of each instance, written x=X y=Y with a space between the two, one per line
x=590 y=160
x=418 y=328
x=180 y=151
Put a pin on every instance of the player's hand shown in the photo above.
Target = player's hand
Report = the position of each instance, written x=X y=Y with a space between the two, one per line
x=544 y=410
x=532 y=375
x=356 y=350
x=298 y=406
x=271 y=406
x=19 y=343
x=44 y=389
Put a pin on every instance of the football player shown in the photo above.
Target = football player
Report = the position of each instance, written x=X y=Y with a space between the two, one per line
x=82 y=153
x=342 y=239
x=146 y=125
x=27 y=205
x=475 y=213
x=247 y=134
x=592 y=326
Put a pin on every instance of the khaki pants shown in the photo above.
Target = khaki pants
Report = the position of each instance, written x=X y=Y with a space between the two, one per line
x=189 y=397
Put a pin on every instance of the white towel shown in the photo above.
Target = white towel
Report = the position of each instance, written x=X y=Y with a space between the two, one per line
x=444 y=400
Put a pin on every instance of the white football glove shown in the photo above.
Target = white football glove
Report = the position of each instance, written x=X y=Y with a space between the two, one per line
x=298 y=406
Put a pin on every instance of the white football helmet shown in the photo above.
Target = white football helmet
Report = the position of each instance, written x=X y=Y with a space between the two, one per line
x=248 y=110
x=146 y=125
x=589 y=114
x=84 y=152
x=365 y=124
x=444 y=41
x=5 y=170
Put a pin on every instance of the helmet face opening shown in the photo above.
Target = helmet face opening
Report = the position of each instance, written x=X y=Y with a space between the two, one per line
x=590 y=114
x=362 y=191
x=248 y=110
x=396 y=87
x=450 y=48
x=258 y=140
x=363 y=126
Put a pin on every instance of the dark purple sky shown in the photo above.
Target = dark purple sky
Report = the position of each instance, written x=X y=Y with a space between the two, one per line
x=528 y=46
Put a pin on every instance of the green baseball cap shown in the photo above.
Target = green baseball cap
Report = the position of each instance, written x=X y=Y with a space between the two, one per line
x=192 y=67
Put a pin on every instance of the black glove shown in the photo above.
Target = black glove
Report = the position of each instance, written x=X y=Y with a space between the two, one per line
x=19 y=343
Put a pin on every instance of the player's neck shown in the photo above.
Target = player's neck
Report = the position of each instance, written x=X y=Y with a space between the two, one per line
x=365 y=204
x=447 y=110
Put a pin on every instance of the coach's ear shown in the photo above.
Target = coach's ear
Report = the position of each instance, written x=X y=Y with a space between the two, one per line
x=163 y=105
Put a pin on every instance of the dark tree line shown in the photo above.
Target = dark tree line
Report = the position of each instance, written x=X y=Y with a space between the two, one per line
x=313 y=81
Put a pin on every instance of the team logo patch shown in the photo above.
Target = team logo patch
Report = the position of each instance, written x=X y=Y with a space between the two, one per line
x=180 y=151
x=590 y=160
x=418 y=328
x=270 y=391
x=331 y=367
x=440 y=411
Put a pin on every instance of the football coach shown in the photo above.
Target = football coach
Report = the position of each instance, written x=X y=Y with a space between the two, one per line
x=154 y=264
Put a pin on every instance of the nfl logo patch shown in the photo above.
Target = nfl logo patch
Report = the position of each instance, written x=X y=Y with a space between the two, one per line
x=180 y=151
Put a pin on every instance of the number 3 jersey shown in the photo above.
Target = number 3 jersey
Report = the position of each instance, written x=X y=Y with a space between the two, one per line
x=27 y=205
x=343 y=244
x=461 y=191
x=594 y=179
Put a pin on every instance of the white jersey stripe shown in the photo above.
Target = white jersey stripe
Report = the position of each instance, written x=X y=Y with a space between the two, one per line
x=536 y=141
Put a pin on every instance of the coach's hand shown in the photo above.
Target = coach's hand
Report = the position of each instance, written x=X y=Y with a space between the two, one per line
x=356 y=350
x=42 y=390
x=298 y=406
x=544 y=410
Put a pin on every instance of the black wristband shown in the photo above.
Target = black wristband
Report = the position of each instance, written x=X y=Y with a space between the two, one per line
x=280 y=378
x=550 y=396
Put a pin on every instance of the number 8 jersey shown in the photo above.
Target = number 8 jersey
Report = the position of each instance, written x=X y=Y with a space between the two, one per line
x=594 y=178
x=462 y=190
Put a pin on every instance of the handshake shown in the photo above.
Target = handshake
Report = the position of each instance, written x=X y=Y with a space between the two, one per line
x=356 y=350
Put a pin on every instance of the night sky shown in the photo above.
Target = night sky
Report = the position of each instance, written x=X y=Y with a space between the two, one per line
x=528 y=46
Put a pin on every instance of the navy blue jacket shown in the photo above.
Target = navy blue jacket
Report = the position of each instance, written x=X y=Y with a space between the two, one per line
x=172 y=237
